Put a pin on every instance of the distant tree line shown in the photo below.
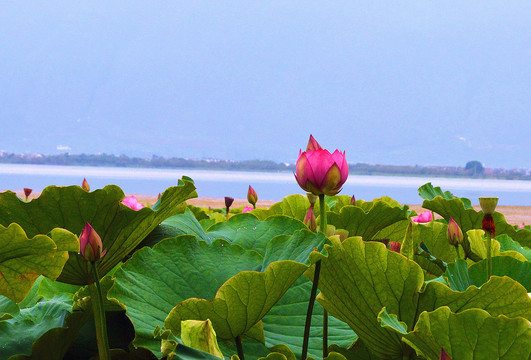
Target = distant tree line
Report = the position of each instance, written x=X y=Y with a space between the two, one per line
x=472 y=169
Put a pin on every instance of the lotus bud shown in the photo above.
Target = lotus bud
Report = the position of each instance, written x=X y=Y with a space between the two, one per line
x=444 y=355
x=310 y=220
x=488 y=204
x=312 y=198
x=228 y=203
x=353 y=200
x=158 y=197
x=252 y=197
x=90 y=244
x=200 y=335
x=85 y=185
x=319 y=172
x=27 y=192
x=455 y=235
x=313 y=144
x=395 y=246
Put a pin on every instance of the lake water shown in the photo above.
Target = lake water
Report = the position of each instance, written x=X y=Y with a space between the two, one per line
x=270 y=186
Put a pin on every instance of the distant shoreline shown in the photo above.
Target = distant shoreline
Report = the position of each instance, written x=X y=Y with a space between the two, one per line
x=472 y=170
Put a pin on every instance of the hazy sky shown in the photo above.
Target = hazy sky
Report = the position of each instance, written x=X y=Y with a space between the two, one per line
x=390 y=82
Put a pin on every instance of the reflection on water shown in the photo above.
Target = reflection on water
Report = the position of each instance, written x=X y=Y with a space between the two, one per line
x=271 y=186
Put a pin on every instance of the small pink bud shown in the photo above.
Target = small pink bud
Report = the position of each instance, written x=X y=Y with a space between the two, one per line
x=158 y=197
x=27 y=192
x=132 y=202
x=310 y=220
x=455 y=235
x=252 y=197
x=353 y=200
x=90 y=244
x=85 y=185
x=395 y=246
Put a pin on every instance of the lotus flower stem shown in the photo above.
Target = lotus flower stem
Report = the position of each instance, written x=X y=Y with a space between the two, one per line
x=489 y=260
x=324 y=227
x=239 y=347
x=99 y=315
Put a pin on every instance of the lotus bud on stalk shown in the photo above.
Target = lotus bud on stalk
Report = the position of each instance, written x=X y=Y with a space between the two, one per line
x=27 y=192
x=353 y=200
x=455 y=235
x=488 y=205
x=228 y=203
x=310 y=220
x=85 y=185
x=321 y=173
x=252 y=197
x=90 y=244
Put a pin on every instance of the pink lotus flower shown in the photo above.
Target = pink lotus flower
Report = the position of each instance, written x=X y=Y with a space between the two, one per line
x=522 y=226
x=425 y=217
x=132 y=202
x=90 y=244
x=247 y=209
x=319 y=172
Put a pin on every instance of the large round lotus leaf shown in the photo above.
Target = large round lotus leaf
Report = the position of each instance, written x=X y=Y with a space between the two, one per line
x=468 y=218
x=18 y=334
x=366 y=223
x=502 y=266
x=241 y=302
x=156 y=279
x=471 y=334
x=242 y=229
x=508 y=244
x=284 y=324
x=428 y=192
x=358 y=279
x=120 y=227
x=23 y=260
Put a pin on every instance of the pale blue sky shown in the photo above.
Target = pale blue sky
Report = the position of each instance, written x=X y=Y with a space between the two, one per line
x=409 y=82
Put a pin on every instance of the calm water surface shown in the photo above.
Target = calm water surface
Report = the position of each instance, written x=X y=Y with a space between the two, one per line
x=270 y=186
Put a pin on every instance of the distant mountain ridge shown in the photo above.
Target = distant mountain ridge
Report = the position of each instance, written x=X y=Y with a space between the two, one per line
x=473 y=169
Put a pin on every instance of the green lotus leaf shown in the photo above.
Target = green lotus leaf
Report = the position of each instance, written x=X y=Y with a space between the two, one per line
x=54 y=343
x=358 y=351
x=156 y=279
x=296 y=246
x=23 y=260
x=294 y=206
x=48 y=289
x=393 y=232
x=182 y=224
x=284 y=324
x=435 y=238
x=241 y=302
x=242 y=229
x=468 y=218
x=18 y=334
x=120 y=227
x=457 y=275
x=471 y=334
x=337 y=202
x=368 y=205
x=366 y=224
x=508 y=244
x=502 y=266
x=428 y=192
x=359 y=278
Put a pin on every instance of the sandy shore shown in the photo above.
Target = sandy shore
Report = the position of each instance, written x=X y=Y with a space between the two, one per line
x=516 y=215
